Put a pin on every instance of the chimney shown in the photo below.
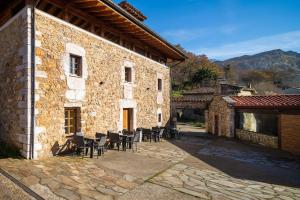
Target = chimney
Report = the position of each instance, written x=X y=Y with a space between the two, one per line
x=132 y=11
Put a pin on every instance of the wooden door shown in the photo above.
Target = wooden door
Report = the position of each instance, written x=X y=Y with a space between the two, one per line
x=216 y=124
x=127 y=117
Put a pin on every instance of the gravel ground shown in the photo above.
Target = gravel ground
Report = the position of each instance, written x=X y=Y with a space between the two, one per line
x=10 y=191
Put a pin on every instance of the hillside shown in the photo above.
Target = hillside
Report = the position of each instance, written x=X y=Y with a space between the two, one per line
x=269 y=71
x=269 y=59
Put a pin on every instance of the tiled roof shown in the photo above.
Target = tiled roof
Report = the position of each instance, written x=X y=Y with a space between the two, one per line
x=276 y=101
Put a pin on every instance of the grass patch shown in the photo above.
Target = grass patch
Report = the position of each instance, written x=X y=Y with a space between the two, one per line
x=198 y=124
x=177 y=94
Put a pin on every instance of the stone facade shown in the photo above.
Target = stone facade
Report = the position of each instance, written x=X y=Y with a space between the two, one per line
x=221 y=119
x=257 y=138
x=15 y=81
x=101 y=93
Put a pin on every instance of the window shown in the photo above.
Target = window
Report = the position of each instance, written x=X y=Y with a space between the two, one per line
x=159 y=84
x=159 y=117
x=70 y=120
x=128 y=75
x=75 y=65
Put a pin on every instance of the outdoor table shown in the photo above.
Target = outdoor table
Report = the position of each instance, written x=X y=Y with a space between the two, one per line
x=92 y=141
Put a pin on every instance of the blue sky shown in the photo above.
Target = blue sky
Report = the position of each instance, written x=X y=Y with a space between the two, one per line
x=223 y=29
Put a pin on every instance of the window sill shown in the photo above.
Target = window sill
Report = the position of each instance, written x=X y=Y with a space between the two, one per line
x=75 y=76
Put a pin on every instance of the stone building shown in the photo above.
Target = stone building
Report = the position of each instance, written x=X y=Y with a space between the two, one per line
x=88 y=65
x=272 y=121
x=193 y=105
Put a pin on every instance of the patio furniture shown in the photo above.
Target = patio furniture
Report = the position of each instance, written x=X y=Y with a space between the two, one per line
x=160 y=135
x=129 y=141
x=147 y=133
x=91 y=141
x=81 y=146
x=140 y=132
x=155 y=134
x=99 y=136
x=99 y=146
x=135 y=140
x=114 y=139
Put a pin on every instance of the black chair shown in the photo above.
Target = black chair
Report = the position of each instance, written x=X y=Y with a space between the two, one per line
x=99 y=146
x=81 y=146
x=99 y=136
x=114 y=139
x=160 y=135
x=135 y=140
x=147 y=133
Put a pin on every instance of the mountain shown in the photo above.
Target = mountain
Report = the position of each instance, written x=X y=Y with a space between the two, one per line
x=268 y=71
x=265 y=60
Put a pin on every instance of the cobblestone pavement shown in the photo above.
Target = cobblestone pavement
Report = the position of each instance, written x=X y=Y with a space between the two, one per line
x=207 y=184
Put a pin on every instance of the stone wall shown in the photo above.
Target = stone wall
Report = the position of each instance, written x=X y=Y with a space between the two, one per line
x=290 y=133
x=220 y=109
x=257 y=138
x=101 y=94
x=15 y=81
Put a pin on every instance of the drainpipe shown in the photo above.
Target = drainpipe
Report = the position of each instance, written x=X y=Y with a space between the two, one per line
x=33 y=4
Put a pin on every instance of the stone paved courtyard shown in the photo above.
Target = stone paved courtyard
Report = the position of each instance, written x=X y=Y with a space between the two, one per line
x=208 y=184
x=198 y=166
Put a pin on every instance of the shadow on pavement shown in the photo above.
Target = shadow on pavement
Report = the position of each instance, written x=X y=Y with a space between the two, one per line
x=240 y=160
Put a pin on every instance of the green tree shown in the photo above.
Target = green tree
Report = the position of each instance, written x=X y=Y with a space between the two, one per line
x=204 y=74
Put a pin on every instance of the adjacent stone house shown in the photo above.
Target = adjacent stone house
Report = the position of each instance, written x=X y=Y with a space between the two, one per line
x=272 y=121
x=88 y=65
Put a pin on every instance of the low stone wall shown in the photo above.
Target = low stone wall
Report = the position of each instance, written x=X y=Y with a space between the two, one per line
x=257 y=138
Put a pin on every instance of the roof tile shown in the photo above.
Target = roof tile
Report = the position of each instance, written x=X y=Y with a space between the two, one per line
x=275 y=101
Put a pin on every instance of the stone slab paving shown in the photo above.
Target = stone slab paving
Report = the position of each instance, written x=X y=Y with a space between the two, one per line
x=248 y=156
x=208 y=184
x=163 y=151
x=10 y=191
x=75 y=178
x=70 y=178
x=149 y=191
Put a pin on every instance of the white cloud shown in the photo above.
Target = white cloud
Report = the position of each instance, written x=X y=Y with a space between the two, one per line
x=285 y=41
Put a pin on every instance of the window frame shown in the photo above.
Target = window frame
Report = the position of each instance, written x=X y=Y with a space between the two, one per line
x=159 y=118
x=128 y=74
x=68 y=117
x=159 y=85
x=76 y=68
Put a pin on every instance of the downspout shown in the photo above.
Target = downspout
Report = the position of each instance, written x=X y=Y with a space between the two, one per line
x=32 y=118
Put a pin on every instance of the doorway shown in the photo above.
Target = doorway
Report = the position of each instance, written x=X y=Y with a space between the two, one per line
x=128 y=119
